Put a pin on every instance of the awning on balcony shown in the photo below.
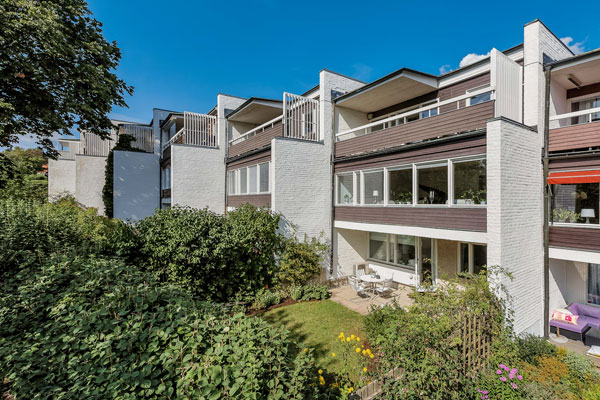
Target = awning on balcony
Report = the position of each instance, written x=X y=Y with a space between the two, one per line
x=256 y=111
x=571 y=177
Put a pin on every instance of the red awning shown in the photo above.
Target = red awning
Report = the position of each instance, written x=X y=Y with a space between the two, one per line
x=574 y=177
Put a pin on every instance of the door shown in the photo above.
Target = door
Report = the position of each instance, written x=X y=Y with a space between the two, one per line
x=426 y=266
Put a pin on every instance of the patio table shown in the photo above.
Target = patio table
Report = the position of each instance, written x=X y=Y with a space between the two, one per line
x=372 y=281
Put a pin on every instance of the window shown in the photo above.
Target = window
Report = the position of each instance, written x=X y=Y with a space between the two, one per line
x=345 y=189
x=432 y=183
x=378 y=246
x=243 y=181
x=253 y=179
x=400 y=186
x=470 y=182
x=232 y=182
x=264 y=177
x=480 y=98
x=429 y=113
x=373 y=186
x=593 y=296
x=405 y=253
x=586 y=105
x=472 y=258
x=576 y=203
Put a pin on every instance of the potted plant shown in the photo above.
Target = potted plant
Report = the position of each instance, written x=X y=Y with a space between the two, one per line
x=481 y=196
x=468 y=196
x=406 y=198
x=564 y=215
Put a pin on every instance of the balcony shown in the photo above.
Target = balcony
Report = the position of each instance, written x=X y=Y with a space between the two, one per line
x=256 y=138
x=580 y=130
x=198 y=130
x=399 y=130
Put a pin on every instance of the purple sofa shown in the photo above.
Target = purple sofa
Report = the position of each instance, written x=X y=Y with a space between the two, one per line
x=589 y=317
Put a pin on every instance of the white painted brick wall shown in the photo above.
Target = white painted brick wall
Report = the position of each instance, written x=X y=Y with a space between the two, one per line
x=352 y=248
x=514 y=217
x=90 y=181
x=198 y=177
x=61 y=178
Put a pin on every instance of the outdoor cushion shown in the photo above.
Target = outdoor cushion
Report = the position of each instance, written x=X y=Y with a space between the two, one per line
x=574 y=308
x=556 y=315
x=579 y=328
x=590 y=311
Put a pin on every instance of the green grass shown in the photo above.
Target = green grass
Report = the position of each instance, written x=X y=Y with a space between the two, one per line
x=317 y=325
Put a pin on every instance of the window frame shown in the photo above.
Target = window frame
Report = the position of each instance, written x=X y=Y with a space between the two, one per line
x=572 y=224
x=471 y=255
x=390 y=251
x=475 y=89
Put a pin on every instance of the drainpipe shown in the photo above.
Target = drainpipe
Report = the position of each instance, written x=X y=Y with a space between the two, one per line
x=548 y=74
x=332 y=202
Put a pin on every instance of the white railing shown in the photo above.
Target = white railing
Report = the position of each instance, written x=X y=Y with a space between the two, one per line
x=364 y=129
x=94 y=145
x=143 y=135
x=198 y=130
x=256 y=131
x=301 y=117
x=589 y=113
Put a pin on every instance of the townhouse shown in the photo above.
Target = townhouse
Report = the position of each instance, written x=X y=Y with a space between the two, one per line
x=421 y=177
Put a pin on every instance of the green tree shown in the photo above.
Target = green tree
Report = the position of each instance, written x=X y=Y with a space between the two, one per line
x=27 y=161
x=56 y=71
x=19 y=174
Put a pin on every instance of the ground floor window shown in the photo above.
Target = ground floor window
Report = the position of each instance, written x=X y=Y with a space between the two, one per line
x=593 y=296
x=393 y=249
x=472 y=258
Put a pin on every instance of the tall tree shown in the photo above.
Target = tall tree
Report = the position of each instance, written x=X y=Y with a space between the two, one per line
x=57 y=71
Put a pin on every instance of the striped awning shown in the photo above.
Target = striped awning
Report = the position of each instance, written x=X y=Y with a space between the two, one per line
x=574 y=177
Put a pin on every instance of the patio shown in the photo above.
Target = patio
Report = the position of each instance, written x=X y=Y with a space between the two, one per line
x=346 y=296
x=575 y=346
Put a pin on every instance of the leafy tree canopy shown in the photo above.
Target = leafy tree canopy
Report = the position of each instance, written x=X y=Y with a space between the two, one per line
x=56 y=71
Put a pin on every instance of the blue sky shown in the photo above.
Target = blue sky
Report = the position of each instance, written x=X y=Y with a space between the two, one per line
x=179 y=54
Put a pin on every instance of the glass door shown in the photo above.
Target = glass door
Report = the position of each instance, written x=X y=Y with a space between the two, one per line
x=426 y=266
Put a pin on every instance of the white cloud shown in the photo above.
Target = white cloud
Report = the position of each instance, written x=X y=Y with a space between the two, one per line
x=362 y=72
x=472 y=58
x=576 y=47
x=445 y=68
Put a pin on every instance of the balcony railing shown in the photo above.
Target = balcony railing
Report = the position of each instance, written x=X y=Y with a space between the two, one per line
x=580 y=135
x=198 y=130
x=253 y=132
x=399 y=119
x=69 y=154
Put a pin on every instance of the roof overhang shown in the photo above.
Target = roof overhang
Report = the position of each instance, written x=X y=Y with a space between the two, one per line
x=584 y=69
x=172 y=117
x=397 y=87
x=257 y=111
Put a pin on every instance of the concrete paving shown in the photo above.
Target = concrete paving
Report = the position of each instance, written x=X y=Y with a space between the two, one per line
x=347 y=297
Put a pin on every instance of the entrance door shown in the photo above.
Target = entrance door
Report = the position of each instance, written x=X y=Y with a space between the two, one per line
x=426 y=266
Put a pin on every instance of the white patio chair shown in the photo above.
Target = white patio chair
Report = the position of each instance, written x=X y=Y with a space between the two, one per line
x=385 y=287
x=358 y=287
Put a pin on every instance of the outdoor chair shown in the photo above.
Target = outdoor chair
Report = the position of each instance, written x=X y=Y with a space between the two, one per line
x=385 y=287
x=358 y=287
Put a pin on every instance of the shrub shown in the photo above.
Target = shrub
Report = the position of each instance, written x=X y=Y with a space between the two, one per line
x=503 y=383
x=214 y=256
x=30 y=232
x=265 y=298
x=315 y=291
x=580 y=367
x=296 y=292
x=301 y=260
x=531 y=348
x=96 y=329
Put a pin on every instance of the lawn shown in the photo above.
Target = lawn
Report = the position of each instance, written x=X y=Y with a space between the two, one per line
x=317 y=324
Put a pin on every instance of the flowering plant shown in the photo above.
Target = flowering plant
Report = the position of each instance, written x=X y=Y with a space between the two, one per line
x=505 y=383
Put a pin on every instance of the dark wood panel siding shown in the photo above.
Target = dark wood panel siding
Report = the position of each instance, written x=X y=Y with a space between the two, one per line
x=575 y=163
x=454 y=90
x=259 y=141
x=165 y=193
x=258 y=200
x=464 y=119
x=575 y=238
x=166 y=155
x=575 y=137
x=255 y=158
x=471 y=219
x=470 y=146
x=584 y=90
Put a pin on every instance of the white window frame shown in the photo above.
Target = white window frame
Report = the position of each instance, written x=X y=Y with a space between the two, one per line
x=406 y=167
x=573 y=224
x=390 y=251
x=337 y=188
x=451 y=193
x=258 y=175
x=475 y=89
x=362 y=186
x=471 y=255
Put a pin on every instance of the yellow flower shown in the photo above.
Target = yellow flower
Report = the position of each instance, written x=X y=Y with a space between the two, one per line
x=341 y=333
x=332 y=354
x=365 y=369
x=347 y=339
x=357 y=350
x=320 y=371
x=305 y=349
x=350 y=389
x=358 y=339
x=352 y=336
x=362 y=346
x=364 y=353
x=321 y=380
x=371 y=355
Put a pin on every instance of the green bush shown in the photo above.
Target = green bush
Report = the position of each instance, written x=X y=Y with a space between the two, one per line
x=301 y=260
x=265 y=298
x=531 y=347
x=31 y=231
x=97 y=329
x=315 y=291
x=214 y=256
x=580 y=367
x=296 y=292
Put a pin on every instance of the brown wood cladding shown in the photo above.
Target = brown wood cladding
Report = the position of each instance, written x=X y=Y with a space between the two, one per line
x=470 y=146
x=575 y=163
x=575 y=238
x=262 y=139
x=464 y=119
x=256 y=158
x=584 y=90
x=574 y=137
x=165 y=193
x=471 y=219
x=258 y=200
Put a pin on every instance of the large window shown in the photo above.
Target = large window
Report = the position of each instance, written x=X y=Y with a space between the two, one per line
x=470 y=182
x=264 y=177
x=373 y=186
x=472 y=258
x=244 y=180
x=576 y=203
x=400 y=186
x=345 y=188
x=393 y=249
x=432 y=184
x=378 y=246
x=253 y=179
x=232 y=182
x=405 y=250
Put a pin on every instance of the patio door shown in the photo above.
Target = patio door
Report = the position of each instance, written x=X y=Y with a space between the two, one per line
x=427 y=264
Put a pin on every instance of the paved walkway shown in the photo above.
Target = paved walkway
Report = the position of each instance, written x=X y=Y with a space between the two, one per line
x=347 y=297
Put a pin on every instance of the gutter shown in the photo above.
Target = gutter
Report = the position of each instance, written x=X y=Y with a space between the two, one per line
x=545 y=160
